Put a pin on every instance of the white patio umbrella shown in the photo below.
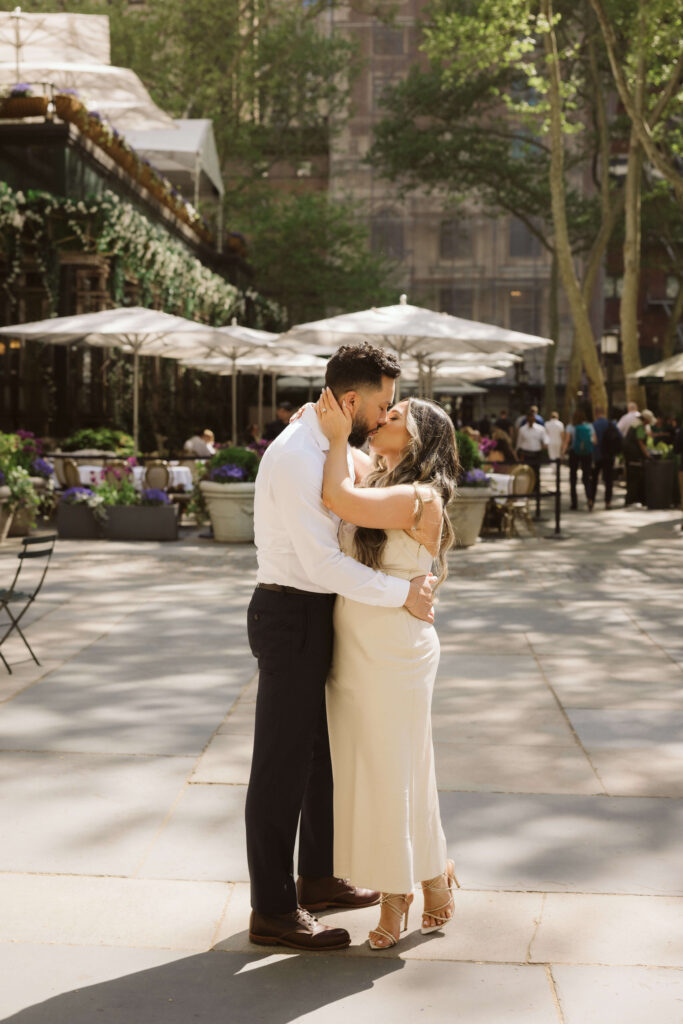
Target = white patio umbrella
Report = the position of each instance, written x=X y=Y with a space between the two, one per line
x=667 y=370
x=411 y=330
x=133 y=329
x=260 y=363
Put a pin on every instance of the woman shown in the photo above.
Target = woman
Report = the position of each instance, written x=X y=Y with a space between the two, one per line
x=388 y=832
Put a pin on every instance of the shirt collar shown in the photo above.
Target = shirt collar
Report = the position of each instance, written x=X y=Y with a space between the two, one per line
x=310 y=418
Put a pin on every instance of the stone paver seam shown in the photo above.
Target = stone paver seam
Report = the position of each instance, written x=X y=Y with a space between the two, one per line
x=654 y=642
x=553 y=992
x=566 y=717
x=537 y=925
x=216 y=931
x=185 y=785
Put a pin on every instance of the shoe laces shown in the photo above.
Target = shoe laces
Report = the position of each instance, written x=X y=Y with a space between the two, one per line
x=305 y=917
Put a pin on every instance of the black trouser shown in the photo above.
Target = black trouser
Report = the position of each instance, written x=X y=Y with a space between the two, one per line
x=605 y=465
x=635 y=481
x=585 y=463
x=291 y=772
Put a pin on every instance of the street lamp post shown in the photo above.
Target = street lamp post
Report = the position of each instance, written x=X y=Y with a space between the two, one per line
x=609 y=347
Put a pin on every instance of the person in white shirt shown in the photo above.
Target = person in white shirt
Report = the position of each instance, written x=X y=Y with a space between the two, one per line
x=301 y=569
x=554 y=428
x=201 y=444
x=630 y=418
x=531 y=439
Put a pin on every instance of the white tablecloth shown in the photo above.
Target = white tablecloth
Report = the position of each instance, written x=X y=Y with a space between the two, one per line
x=180 y=476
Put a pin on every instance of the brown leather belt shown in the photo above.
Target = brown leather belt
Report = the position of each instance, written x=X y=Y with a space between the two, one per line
x=286 y=590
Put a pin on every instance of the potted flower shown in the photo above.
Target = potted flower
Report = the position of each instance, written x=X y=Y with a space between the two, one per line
x=80 y=513
x=148 y=516
x=6 y=512
x=18 y=496
x=29 y=456
x=468 y=507
x=68 y=104
x=227 y=488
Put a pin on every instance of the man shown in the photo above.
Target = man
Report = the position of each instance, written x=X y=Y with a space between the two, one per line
x=554 y=428
x=531 y=440
x=300 y=569
x=523 y=418
x=636 y=454
x=630 y=418
x=606 y=448
x=201 y=445
x=505 y=423
x=275 y=428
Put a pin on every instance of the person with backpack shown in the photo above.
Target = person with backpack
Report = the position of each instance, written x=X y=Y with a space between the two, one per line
x=636 y=454
x=609 y=444
x=580 y=442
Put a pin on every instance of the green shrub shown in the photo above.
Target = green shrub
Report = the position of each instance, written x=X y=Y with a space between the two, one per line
x=103 y=438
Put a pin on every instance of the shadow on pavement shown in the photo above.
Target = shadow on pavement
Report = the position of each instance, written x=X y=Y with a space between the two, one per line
x=233 y=987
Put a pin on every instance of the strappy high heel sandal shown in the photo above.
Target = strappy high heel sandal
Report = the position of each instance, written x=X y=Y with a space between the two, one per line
x=390 y=900
x=437 y=885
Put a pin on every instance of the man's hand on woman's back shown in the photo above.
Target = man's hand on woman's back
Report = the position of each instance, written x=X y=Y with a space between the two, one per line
x=420 y=600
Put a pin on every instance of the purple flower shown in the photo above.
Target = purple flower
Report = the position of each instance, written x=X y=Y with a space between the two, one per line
x=475 y=478
x=21 y=89
x=154 y=496
x=68 y=92
x=72 y=495
x=42 y=468
x=2 y=478
x=224 y=474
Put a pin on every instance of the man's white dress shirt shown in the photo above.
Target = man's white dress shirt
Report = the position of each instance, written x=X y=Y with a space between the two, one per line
x=531 y=438
x=554 y=428
x=296 y=536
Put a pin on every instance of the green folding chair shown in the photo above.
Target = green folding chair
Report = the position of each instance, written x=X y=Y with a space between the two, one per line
x=33 y=548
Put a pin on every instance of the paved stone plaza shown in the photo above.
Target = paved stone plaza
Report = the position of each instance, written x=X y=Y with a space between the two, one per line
x=558 y=723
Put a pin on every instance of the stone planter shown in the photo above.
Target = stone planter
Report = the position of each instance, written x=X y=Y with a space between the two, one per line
x=141 y=522
x=6 y=515
x=466 y=513
x=76 y=522
x=231 y=510
x=21 y=524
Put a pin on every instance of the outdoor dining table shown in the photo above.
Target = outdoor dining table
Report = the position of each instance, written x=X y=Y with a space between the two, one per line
x=180 y=476
x=501 y=484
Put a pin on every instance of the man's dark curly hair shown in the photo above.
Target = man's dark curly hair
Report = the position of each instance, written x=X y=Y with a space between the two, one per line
x=355 y=366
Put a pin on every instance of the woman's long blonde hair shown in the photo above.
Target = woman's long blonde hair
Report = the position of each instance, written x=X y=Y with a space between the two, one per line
x=429 y=459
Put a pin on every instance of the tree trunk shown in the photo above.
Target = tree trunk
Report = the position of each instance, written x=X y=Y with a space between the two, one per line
x=579 y=309
x=628 y=307
x=549 y=390
x=573 y=380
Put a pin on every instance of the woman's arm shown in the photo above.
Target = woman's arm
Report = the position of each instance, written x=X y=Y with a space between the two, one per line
x=384 y=508
x=362 y=464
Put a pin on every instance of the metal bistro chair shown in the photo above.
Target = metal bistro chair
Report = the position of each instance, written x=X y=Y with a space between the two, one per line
x=517 y=505
x=33 y=547
x=114 y=470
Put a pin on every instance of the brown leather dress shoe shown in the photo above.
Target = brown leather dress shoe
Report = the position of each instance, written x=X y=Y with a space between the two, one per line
x=321 y=893
x=298 y=930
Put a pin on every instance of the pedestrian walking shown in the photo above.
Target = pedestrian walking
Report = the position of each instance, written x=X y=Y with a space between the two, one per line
x=532 y=440
x=609 y=444
x=579 y=444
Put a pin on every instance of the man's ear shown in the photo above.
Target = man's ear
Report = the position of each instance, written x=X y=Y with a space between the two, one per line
x=351 y=398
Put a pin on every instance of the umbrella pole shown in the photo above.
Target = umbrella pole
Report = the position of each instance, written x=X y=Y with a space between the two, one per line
x=136 y=400
x=233 y=439
x=430 y=382
x=260 y=403
x=273 y=395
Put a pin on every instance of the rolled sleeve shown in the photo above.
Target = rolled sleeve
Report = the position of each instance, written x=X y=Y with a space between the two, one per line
x=296 y=482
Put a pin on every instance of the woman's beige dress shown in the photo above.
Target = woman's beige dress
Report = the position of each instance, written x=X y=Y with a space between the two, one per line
x=387 y=827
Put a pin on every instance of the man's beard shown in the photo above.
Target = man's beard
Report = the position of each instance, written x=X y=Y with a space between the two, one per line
x=360 y=431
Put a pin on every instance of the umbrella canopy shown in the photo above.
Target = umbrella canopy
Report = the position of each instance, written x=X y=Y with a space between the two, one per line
x=260 y=363
x=133 y=329
x=666 y=370
x=411 y=330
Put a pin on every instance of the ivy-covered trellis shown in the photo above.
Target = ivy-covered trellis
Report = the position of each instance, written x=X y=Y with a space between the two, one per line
x=168 y=275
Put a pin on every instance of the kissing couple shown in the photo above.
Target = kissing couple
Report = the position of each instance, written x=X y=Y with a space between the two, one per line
x=341 y=622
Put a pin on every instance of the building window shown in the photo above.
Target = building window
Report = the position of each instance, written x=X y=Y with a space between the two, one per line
x=457 y=301
x=387 y=41
x=386 y=235
x=614 y=287
x=380 y=85
x=455 y=240
x=524 y=310
x=522 y=243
